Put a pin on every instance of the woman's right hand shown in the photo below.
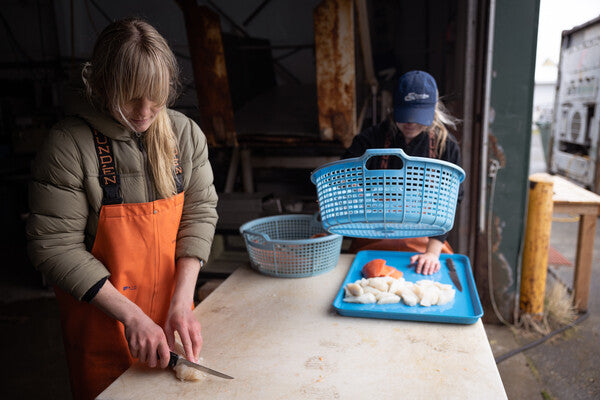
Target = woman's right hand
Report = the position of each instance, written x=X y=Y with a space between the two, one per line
x=147 y=341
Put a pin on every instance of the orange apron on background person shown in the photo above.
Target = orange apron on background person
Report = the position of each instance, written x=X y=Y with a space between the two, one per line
x=136 y=242
x=417 y=245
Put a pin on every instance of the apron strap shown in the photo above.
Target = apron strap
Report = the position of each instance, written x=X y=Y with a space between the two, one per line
x=110 y=181
x=178 y=172
x=107 y=171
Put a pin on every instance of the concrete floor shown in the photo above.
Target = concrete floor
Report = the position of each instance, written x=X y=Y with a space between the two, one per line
x=562 y=368
x=565 y=367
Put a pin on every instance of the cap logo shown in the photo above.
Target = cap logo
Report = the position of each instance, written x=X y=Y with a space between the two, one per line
x=415 y=96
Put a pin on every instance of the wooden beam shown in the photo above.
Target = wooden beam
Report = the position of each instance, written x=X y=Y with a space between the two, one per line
x=210 y=72
x=336 y=69
x=583 y=261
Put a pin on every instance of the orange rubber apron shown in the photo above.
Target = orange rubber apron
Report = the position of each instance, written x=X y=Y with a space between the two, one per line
x=136 y=242
x=417 y=245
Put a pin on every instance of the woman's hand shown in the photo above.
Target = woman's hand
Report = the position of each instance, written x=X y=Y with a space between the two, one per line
x=147 y=341
x=426 y=263
x=180 y=317
x=182 y=320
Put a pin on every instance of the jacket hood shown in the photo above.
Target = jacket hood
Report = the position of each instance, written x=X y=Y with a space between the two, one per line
x=101 y=121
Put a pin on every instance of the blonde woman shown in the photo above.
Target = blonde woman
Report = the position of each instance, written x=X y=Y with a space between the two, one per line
x=418 y=126
x=123 y=212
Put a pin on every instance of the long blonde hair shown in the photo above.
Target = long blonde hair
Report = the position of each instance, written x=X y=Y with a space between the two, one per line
x=131 y=60
x=442 y=119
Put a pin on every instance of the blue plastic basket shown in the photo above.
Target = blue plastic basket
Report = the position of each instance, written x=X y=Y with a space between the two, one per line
x=415 y=201
x=281 y=246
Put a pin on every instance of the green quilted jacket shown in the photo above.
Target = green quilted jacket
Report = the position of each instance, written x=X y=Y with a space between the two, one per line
x=65 y=196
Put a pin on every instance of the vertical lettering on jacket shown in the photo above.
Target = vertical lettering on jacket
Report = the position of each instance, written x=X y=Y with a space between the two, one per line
x=177 y=172
x=107 y=172
x=107 y=164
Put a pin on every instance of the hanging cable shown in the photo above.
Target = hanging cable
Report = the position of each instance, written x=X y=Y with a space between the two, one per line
x=541 y=340
x=492 y=173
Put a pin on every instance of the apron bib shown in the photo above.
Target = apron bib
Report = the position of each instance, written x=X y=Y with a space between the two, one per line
x=136 y=242
x=413 y=245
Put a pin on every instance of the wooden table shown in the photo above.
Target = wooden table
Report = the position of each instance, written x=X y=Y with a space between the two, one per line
x=281 y=339
x=568 y=198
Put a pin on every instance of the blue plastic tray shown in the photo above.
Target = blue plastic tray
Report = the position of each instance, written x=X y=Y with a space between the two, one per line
x=464 y=309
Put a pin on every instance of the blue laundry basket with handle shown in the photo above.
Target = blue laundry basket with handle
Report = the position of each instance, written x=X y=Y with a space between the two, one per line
x=416 y=200
x=283 y=245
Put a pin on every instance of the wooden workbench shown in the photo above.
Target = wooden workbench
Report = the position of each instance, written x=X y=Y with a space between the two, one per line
x=568 y=198
x=281 y=339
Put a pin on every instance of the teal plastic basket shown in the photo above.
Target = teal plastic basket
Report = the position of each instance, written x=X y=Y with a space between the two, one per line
x=415 y=201
x=281 y=246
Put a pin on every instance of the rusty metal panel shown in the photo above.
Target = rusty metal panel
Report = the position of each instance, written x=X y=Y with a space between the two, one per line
x=210 y=72
x=336 y=69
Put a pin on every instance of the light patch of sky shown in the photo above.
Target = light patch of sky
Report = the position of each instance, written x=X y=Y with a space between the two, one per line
x=557 y=16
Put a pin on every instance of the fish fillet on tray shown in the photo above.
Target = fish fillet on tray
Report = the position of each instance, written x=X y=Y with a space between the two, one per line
x=457 y=307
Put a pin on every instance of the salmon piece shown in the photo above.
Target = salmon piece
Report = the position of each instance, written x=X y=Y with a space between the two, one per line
x=393 y=272
x=374 y=268
x=377 y=267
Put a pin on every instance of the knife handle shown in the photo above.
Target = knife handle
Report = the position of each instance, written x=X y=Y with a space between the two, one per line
x=173 y=357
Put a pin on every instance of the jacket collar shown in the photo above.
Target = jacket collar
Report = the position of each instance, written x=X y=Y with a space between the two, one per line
x=104 y=123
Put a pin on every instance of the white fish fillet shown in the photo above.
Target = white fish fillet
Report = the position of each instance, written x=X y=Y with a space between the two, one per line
x=388 y=298
x=387 y=290
x=370 y=289
x=409 y=297
x=446 y=296
x=429 y=295
x=366 y=298
x=354 y=289
x=379 y=283
x=185 y=373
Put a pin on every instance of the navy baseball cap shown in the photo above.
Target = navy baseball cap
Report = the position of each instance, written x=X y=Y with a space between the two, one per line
x=415 y=98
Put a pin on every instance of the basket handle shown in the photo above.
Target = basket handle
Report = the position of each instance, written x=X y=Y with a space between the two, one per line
x=263 y=235
x=382 y=152
x=315 y=218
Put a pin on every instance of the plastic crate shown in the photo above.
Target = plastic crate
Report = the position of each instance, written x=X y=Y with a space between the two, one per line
x=282 y=246
x=415 y=201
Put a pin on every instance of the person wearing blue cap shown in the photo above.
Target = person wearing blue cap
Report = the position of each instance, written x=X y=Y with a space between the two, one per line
x=419 y=126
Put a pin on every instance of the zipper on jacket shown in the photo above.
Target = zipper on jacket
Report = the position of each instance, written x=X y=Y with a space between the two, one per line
x=149 y=187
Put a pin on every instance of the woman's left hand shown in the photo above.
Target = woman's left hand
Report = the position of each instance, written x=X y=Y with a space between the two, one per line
x=427 y=263
x=182 y=320
x=180 y=317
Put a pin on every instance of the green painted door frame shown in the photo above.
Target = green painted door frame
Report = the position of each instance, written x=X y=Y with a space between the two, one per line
x=509 y=141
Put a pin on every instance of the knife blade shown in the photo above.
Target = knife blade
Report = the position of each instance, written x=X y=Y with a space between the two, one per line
x=175 y=359
x=453 y=274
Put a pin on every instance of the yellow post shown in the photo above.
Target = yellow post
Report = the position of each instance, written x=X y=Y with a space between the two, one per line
x=537 y=241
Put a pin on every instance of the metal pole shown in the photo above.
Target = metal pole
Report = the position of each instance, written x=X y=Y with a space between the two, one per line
x=486 y=117
x=537 y=242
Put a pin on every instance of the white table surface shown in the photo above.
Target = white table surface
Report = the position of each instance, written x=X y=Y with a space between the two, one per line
x=282 y=339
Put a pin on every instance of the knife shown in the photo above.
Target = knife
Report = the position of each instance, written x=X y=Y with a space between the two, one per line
x=453 y=274
x=175 y=359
